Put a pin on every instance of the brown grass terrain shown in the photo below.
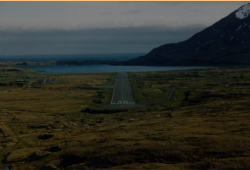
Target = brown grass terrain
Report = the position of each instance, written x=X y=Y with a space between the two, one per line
x=205 y=125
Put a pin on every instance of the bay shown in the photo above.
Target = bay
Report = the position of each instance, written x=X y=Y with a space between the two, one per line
x=71 y=69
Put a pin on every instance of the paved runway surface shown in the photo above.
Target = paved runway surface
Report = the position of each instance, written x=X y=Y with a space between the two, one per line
x=122 y=94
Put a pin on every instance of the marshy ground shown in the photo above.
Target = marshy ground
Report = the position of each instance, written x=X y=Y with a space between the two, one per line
x=59 y=125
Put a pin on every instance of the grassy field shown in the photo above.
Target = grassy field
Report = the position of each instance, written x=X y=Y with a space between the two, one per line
x=203 y=125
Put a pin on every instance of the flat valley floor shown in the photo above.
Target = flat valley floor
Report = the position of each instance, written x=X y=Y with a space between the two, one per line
x=60 y=124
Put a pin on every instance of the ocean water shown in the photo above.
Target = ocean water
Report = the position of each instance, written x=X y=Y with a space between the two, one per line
x=70 y=69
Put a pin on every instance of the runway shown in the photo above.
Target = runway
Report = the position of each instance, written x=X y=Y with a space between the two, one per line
x=122 y=94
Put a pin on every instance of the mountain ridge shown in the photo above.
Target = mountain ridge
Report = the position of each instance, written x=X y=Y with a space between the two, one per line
x=226 y=42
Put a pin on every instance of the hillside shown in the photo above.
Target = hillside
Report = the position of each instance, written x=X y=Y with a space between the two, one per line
x=226 y=42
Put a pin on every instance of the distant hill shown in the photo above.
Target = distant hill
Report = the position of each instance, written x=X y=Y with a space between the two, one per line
x=227 y=42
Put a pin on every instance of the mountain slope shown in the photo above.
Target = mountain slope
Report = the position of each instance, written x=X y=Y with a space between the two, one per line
x=226 y=42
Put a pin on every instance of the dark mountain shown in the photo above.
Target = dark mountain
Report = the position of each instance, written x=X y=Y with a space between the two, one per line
x=227 y=42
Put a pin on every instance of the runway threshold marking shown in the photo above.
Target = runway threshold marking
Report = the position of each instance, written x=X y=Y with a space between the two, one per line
x=118 y=96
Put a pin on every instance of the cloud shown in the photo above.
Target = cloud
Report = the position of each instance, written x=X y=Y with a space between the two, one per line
x=106 y=13
x=96 y=40
x=72 y=15
x=132 y=12
x=104 y=27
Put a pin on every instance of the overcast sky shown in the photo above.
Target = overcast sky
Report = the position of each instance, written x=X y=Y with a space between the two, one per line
x=37 y=28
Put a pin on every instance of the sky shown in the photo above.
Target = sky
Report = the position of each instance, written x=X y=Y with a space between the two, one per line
x=47 y=28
